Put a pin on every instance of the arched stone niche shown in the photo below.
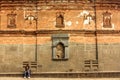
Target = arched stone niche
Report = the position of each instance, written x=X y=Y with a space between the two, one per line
x=60 y=46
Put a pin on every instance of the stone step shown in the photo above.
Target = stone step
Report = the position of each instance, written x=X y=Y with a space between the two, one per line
x=19 y=78
x=65 y=74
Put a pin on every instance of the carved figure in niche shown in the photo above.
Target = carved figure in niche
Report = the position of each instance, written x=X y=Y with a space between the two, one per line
x=11 y=20
x=107 y=19
x=59 y=20
x=60 y=51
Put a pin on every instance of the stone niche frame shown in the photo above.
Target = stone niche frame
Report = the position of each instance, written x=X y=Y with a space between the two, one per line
x=60 y=39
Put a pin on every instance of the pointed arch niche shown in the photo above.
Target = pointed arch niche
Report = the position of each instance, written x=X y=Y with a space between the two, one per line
x=59 y=19
x=60 y=46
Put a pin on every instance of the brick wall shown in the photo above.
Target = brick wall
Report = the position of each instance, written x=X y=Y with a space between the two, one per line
x=25 y=46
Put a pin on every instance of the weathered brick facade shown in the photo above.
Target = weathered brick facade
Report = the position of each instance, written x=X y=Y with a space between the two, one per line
x=31 y=38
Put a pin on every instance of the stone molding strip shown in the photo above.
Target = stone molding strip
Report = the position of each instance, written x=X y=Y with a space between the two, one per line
x=79 y=32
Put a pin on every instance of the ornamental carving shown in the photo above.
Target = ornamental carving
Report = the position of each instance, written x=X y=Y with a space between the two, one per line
x=60 y=51
x=11 y=20
x=60 y=20
x=107 y=20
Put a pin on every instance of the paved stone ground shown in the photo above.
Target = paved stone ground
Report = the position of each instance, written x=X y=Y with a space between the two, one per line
x=19 y=78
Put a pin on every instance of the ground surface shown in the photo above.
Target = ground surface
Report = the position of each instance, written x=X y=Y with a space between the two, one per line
x=19 y=78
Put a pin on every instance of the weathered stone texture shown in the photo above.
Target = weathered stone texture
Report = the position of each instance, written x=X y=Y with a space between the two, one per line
x=109 y=57
x=47 y=64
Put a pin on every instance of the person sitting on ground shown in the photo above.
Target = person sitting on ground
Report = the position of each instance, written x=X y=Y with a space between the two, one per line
x=27 y=71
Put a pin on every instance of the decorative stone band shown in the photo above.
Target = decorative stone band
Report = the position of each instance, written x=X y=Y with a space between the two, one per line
x=25 y=33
